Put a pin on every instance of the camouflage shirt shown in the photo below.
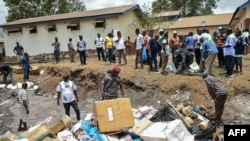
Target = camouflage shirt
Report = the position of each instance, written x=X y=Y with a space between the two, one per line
x=111 y=86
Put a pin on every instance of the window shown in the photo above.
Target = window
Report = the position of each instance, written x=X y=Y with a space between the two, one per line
x=99 y=24
x=73 y=26
x=32 y=29
x=51 y=28
x=16 y=30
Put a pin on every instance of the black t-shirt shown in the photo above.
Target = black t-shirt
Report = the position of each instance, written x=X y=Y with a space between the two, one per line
x=5 y=68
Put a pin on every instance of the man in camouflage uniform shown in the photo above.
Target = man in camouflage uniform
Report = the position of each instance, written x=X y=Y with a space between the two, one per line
x=181 y=58
x=111 y=84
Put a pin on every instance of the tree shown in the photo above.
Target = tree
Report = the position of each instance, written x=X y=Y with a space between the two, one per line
x=188 y=7
x=151 y=20
x=20 y=9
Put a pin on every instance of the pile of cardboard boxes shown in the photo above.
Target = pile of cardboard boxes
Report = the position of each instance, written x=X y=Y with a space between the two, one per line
x=110 y=117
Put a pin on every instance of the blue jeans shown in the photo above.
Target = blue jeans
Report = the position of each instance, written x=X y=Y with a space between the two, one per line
x=57 y=55
x=82 y=55
x=109 y=55
x=75 y=107
x=26 y=73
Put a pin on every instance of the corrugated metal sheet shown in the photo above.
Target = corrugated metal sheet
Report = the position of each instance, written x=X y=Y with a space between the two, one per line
x=210 y=20
x=90 y=13
x=166 y=14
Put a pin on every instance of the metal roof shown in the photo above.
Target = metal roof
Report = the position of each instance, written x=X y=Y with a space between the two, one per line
x=91 y=14
x=197 y=21
x=241 y=7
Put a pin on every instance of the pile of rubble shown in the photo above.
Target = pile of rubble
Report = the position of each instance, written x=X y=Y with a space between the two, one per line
x=116 y=120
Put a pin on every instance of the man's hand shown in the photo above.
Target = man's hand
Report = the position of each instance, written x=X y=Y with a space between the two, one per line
x=27 y=111
x=77 y=99
x=58 y=102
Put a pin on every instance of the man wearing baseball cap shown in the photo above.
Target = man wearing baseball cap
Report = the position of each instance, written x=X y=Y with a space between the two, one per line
x=111 y=84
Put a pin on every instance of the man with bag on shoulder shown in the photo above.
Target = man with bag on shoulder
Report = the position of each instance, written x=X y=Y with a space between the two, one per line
x=81 y=49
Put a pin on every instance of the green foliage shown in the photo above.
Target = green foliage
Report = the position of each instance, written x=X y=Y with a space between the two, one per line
x=188 y=7
x=20 y=9
x=149 y=21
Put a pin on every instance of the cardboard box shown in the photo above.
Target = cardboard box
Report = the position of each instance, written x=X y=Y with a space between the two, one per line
x=51 y=139
x=113 y=115
x=8 y=136
x=141 y=126
x=39 y=133
x=162 y=131
x=64 y=123
x=144 y=109
x=137 y=113
x=152 y=111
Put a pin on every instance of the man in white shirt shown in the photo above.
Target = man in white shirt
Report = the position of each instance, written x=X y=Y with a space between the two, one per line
x=119 y=47
x=56 y=45
x=81 y=49
x=99 y=46
x=165 y=53
x=205 y=34
x=197 y=46
x=23 y=101
x=139 y=43
x=67 y=89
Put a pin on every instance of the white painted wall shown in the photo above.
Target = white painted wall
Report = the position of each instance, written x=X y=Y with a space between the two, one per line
x=248 y=12
x=41 y=41
x=240 y=24
x=127 y=23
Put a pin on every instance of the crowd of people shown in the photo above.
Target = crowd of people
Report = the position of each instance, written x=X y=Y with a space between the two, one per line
x=152 y=50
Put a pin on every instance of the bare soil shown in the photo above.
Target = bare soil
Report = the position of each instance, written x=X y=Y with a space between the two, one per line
x=141 y=86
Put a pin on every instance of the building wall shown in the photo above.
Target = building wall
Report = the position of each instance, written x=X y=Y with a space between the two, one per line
x=1 y=52
x=41 y=41
x=248 y=12
x=128 y=23
x=241 y=21
x=185 y=31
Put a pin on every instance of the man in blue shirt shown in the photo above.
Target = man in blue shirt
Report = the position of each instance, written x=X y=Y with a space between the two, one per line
x=239 y=50
x=153 y=51
x=189 y=43
x=229 y=52
x=209 y=53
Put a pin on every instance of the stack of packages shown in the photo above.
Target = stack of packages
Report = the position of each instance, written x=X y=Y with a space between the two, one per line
x=112 y=120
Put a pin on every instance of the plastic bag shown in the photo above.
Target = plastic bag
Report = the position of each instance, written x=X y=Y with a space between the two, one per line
x=144 y=54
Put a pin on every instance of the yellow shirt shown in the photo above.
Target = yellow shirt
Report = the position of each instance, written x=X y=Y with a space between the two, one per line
x=108 y=42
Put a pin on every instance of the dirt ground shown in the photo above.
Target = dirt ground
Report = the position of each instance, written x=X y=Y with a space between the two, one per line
x=141 y=86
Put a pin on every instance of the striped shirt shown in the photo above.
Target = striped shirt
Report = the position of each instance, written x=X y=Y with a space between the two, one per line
x=22 y=96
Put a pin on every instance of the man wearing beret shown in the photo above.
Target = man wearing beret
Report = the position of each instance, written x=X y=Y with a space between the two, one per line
x=111 y=84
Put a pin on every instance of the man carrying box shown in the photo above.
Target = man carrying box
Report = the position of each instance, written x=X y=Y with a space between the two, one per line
x=111 y=83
